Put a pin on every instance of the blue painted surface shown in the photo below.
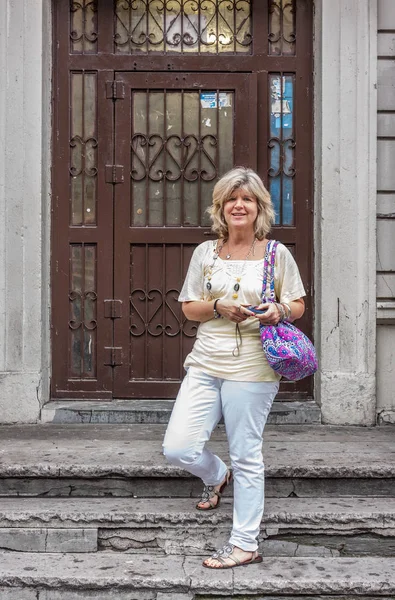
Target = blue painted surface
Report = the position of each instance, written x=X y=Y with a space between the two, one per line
x=281 y=127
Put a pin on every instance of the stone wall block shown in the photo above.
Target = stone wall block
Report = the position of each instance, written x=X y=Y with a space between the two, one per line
x=346 y=211
x=21 y=594
x=21 y=233
x=23 y=540
x=71 y=540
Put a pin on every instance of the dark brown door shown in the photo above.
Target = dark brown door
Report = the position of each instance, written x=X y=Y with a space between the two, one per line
x=175 y=133
x=153 y=101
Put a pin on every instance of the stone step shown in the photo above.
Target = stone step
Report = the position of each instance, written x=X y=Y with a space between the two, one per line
x=158 y=412
x=110 y=576
x=127 y=460
x=290 y=527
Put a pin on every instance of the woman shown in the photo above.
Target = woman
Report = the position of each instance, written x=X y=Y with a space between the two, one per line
x=227 y=373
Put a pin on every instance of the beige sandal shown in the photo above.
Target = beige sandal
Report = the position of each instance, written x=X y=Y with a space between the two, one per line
x=225 y=553
x=209 y=493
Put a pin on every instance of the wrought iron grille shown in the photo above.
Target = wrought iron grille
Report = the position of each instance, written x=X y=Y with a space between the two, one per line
x=160 y=335
x=153 y=303
x=181 y=152
x=282 y=146
x=183 y=26
x=83 y=148
x=282 y=35
x=83 y=26
x=83 y=320
x=181 y=142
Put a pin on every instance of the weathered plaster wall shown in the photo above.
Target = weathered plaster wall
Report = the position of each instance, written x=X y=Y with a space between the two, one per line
x=345 y=153
x=386 y=213
x=21 y=230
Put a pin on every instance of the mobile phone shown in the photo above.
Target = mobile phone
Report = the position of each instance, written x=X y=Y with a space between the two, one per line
x=257 y=311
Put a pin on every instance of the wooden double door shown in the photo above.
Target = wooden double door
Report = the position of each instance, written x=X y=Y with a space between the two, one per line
x=154 y=102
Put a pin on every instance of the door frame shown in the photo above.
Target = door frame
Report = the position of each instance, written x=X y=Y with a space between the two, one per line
x=104 y=63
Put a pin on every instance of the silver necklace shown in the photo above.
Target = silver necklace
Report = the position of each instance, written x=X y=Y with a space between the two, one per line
x=229 y=255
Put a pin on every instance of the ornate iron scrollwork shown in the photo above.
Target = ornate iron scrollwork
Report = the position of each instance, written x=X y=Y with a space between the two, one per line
x=84 y=148
x=172 y=25
x=84 y=28
x=193 y=146
x=159 y=300
x=282 y=35
x=79 y=301
x=285 y=153
x=282 y=146
x=83 y=145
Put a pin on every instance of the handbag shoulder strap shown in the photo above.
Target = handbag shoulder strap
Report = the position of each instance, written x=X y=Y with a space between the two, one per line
x=268 y=270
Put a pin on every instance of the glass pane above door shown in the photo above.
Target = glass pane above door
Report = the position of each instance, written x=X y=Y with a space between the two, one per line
x=183 y=26
x=83 y=26
x=282 y=35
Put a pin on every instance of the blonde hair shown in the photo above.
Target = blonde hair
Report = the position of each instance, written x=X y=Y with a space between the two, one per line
x=247 y=179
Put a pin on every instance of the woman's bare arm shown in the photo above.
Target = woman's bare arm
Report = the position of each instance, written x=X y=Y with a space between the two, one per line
x=297 y=309
x=201 y=311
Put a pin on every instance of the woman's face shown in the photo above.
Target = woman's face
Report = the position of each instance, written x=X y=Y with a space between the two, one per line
x=240 y=210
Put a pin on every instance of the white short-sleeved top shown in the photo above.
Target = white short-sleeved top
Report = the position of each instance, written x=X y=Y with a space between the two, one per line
x=216 y=338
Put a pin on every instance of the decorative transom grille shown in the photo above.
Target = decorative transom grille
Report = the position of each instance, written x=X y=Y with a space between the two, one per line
x=194 y=26
x=83 y=22
x=282 y=36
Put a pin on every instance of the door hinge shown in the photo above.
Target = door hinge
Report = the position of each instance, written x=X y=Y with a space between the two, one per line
x=112 y=309
x=115 y=90
x=114 y=174
x=113 y=356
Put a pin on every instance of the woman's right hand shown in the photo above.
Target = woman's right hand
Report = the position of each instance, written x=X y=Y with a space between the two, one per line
x=232 y=312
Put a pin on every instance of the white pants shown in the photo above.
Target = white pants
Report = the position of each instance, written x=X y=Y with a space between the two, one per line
x=245 y=406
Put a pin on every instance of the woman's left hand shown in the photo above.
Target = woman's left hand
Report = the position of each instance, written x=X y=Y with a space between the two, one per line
x=271 y=317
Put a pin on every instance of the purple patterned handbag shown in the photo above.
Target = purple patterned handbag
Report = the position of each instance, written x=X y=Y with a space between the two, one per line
x=288 y=350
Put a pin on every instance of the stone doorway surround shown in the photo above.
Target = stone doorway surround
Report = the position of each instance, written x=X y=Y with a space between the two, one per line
x=345 y=209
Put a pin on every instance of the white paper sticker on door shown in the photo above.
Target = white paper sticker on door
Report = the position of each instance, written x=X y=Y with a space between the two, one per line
x=209 y=99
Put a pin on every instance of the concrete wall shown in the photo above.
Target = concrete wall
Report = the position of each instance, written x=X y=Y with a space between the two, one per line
x=22 y=220
x=386 y=213
x=345 y=206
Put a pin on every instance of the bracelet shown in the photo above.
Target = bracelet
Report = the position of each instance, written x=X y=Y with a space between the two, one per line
x=281 y=310
x=216 y=313
x=288 y=308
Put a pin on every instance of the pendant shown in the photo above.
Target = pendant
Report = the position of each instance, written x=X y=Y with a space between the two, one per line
x=228 y=256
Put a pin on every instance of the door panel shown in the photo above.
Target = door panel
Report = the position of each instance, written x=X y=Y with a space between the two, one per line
x=175 y=135
x=82 y=248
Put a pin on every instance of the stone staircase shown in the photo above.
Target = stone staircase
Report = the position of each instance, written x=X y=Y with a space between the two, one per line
x=95 y=512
